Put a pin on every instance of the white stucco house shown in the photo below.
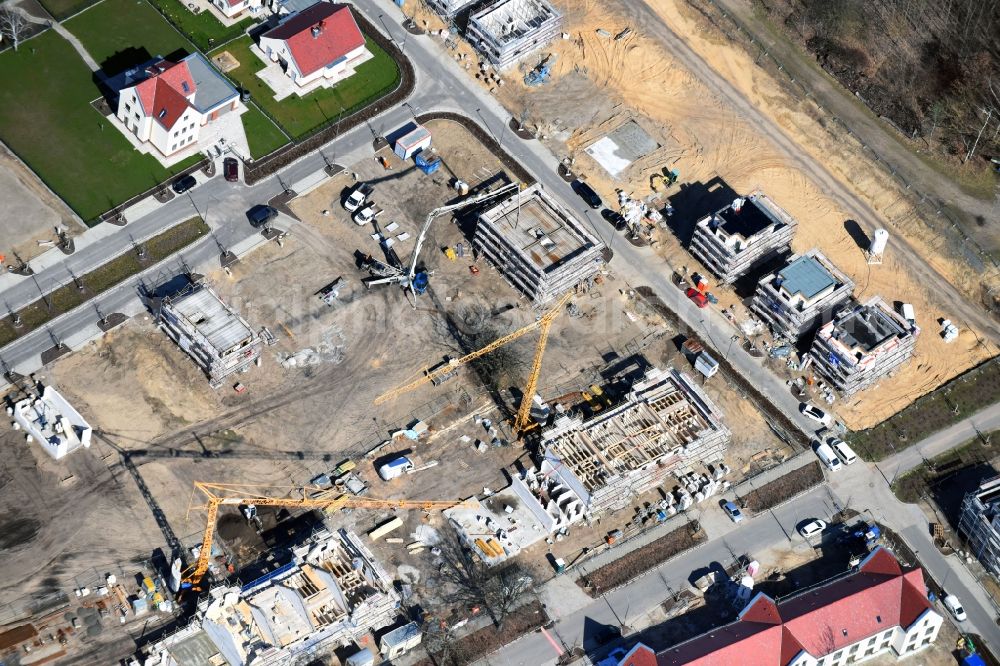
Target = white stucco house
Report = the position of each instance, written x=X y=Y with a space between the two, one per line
x=233 y=8
x=317 y=46
x=167 y=104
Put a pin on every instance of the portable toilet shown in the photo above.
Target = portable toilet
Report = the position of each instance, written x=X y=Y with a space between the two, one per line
x=412 y=142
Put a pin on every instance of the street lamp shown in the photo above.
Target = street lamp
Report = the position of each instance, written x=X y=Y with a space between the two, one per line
x=487 y=125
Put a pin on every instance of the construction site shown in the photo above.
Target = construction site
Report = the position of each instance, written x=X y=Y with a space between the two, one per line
x=128 y=505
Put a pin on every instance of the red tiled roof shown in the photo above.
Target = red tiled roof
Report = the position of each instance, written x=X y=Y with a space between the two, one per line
x=336 y=35
x=640 y=655
x=164 y=93
x=878 y=596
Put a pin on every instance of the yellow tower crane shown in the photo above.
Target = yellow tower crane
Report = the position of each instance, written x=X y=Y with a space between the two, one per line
x=522 y=422
x=220 y=494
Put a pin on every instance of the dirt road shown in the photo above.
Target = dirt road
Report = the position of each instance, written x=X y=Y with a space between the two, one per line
x=642 y=14
x=943 y=192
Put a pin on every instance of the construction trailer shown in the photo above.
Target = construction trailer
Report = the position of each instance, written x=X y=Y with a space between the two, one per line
x=505 y=31
x=219 y=340
x=795 y=299
x=450 y=9
x=332 y=594
x=861 y=345
x=411 y=143
x=979 y=524
x=665 y=426
x=538 y=246
x=746 y=232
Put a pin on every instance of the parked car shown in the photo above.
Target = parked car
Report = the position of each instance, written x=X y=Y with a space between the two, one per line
x=954 y=607
x=358 y=196
x=812 y=528
x=827 y=456
x=843 y=451
x=700 y=299
x=261 y=216
x=231 y=169
x=732 y=511
x=588 y=194
x=183 y=184
x=395 y=468
x=366 y=214
x=615 y=219
x=815 y=413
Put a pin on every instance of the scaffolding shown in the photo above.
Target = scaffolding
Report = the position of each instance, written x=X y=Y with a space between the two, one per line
x=507 y=30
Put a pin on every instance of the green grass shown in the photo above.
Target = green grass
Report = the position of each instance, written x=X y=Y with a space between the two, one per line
x=101 y=279
x=263 y=135
x=204 y=29
x=127 y=29
x=46 y=118
x=961 y=397
x=298 y=115
x=60 y=9
x=916 y=483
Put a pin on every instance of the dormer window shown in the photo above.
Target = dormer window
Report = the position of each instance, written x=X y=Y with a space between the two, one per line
x=162 y=114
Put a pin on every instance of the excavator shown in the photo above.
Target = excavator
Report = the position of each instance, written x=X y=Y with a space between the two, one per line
x=249 y=495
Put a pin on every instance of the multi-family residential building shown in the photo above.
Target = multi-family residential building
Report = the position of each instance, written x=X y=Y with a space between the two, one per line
x=877 y=609
x=795 y=299
x=235 y=8
x=166 y=104
x=319 y=45
x=505 y=31
x=979 y=524
x=746 y=232
x=861 y=345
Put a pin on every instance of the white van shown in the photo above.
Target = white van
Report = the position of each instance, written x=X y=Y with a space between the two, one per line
x=828 y=457
x=843 y=451
x=396 y=468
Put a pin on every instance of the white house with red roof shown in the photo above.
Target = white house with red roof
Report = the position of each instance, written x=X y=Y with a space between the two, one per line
x=167 y=104
x=234 y=8
x=315 y=47
x=876 y=609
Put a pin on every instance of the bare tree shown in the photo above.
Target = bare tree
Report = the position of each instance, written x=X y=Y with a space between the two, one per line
x=496 y=589
x=13 y=26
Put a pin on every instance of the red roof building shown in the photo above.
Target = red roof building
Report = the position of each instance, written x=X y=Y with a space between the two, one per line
x=321 y=40
x=876 y=608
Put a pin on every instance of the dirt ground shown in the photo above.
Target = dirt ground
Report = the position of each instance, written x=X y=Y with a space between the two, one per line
x=632 y=78
x=32 y=213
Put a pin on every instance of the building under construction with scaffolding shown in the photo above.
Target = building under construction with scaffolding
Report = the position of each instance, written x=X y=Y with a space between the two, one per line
x=665 y=426
x=796 y=298
x=332 y=594
x=750 y=230
x=506 y=30
x=862 y=345
x=538 y=246
x=219 y=340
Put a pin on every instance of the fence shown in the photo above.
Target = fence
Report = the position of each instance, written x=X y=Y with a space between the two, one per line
x=974 y=253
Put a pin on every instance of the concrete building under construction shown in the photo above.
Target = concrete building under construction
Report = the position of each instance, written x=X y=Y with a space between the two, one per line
x=332 y=594
x=538 y=246
x=861 y=345
x=979 y=523
x=665 y=426
x=219 y=340
x=797 y=298
x=746 y=232
x=506 y=30
x=450 y=9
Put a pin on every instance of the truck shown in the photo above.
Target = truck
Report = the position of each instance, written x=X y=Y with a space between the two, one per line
x=366 y=214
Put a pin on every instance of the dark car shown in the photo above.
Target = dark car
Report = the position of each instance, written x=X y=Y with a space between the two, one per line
x=183 y=184
x=587 y=193
x=260 y=215
x=231 y=169
x=615 y=219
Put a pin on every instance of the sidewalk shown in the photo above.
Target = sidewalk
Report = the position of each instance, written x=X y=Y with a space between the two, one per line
x=983 y=421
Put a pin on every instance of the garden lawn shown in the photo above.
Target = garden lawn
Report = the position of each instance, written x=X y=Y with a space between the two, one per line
x=128 y=29
x=47 y=120
x=263 y=135
x=61 y=9
x=298 y=115
x=203 y=28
